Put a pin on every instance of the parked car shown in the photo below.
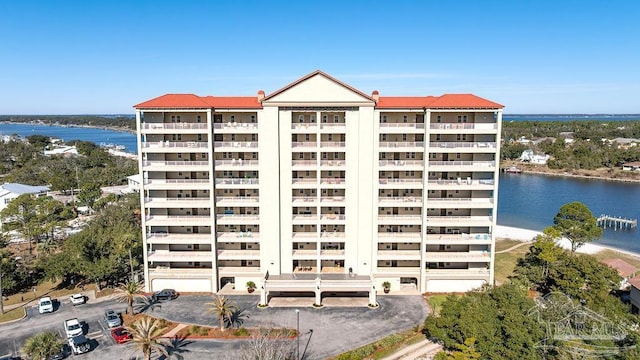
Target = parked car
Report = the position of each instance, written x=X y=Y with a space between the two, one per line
x=120 y=335
x=72 y=327
x=165 y=294
x=77 y=299
x=112 y=318
x=79 y=344
x=45 y=305
x=62 y=354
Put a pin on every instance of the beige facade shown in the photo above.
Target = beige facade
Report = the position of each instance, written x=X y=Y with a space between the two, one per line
x=319 y=186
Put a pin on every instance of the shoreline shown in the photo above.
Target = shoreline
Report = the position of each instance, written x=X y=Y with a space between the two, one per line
x=576 y=176
x=37 y=123
x=527 y=235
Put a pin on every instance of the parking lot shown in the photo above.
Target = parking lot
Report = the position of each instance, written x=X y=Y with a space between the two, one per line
x=334 y=329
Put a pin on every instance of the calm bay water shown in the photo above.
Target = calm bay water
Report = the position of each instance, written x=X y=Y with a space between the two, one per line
x=526 y=201
x=96 y=136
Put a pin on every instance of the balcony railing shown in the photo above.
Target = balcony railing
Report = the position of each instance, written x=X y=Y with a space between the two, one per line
x=400 y=199
x=389 y=125
x=336 y=144
x=417 y=219
x=173 y=126
x=175 y=181
x=223 y=181
x=332 y=163
x=220 y=218
x=236 y=162
x=175 y=144
x=237 y=199
x=235 y=126
x=303 y=126
x=331 y=181
x=463 y=145
x=405 y=181
x=463 y=126
x=236 y=144
x=174 y=163
x=401 y=144
x=479 y=164
x=304 y=144
x=400 y=162
x=461 y=182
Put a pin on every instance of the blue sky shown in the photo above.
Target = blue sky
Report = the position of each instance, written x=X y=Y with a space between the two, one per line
x=538 y=56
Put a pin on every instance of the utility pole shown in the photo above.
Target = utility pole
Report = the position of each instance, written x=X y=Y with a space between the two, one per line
x=298 y=333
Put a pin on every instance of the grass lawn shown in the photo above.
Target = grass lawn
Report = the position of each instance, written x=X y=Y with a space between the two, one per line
x=435 y=301
x=14 y=314
x=44 y=289
x=505 y=263
x=504 y=244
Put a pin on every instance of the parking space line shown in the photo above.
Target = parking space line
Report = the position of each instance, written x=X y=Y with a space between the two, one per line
x=95 y=334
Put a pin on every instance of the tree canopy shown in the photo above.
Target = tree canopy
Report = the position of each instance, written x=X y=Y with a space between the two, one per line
x=576 y=222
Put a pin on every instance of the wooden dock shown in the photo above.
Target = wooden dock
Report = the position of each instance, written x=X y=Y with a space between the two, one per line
x=607 y=221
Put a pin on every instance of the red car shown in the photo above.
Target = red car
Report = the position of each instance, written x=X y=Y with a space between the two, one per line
x=120 y=335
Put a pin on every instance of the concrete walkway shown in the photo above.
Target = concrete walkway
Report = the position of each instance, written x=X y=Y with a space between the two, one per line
x=424 y=349
x=513 y=247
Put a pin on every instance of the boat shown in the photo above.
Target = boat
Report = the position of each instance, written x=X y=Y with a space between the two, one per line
x=512 y=170
x=113 y=146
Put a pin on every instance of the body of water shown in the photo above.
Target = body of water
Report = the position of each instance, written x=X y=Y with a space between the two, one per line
x=96 y=136
x=526 y=201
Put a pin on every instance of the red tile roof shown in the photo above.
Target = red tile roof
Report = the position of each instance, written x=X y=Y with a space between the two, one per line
x=463 y=101
x=191 y=101
x=624 y=268
x=635 y=282
x=388 y=102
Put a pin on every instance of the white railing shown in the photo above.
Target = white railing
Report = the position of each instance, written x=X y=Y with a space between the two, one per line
x=333 y=217
x=236 y=162
x=223 y=181
x=174 y=163
x=332 y=181
x=458 y=219
x=177 y=217
x=401 y=144
x=404 y=199
x=305 y=199
x=463 y=126
x=460 y=144
x=304 y=162
x=175 y=181
x=304 y=144
x=384 y=181
x=237 y=199
x=402 y=125
x=174 y=144
x=309 y=126
x=325 y=144
x=332 y=198
x=188 y=199
x=461 y=200
x=332 y=125
x=235 y=126
x=460 y=182
x=173 y=126
x=489 y=164
x=236 y=144
x=239 y=217
x=332 y=163
x=304 y=180
x=400 y=162
x=413 y=218
x=304 y=217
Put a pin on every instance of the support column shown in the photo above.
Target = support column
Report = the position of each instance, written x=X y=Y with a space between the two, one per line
x=318 y=292
x=373 y=295
x=264 y=294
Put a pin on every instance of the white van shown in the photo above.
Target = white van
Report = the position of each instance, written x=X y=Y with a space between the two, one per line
x=45 y=305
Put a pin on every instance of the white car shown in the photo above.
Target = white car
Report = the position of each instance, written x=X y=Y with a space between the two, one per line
x=77 y=299
x=72 y=327
x=79 y=344
x=45 y=305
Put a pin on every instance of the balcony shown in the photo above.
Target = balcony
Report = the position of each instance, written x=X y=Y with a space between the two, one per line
x=304 y=236
x=401 y=164
x=177 y=184
x=464 y=128
x=332 y=254
x=177 y=273
x=462 y=147
x=332 y=145
x=461 y=184
x=304 y=128
x=332 y=201
x=235 y=128
x=303 y=219
x=304 y=183
x=231 y=201
x=333 y=164
x=401 y=128
x=235 y=219
x=459 y=166
x=236 y=146
x=304 y=201
x=399 y=254
x=395 y=271
x=189 y=238
x=179 y=256
x=463 y=203
x=173 y=128
x=177 y=202
x=400 y=183
x=332 y=218
x=239 y=271
x=239 y=237
x=333 y=127
x=230 y=183
x=399 y=219
x=451 y=256
x=332 y=181
x=183 y=166
x=305 y=254
x=236 y=164
x=304 y=164
x=416 y=146
x=228 y=254
x=457 y=274
x=459 y=221
x=399 y=201
x=458 y=239
x=399 y=237
x=178 y=220
x=174 y=146
x=303 y=145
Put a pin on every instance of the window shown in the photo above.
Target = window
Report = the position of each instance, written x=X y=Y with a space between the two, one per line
x=462 y=118
x=329 y=137
x=179 y=155
x=300 y=155
x=457 y=155
x=233 y=118
x=254 y=155
x=300 y=118
x=336 y=118
x=433 y=155
x=384 y=137
x=253 y=118
x=384 y=119
x=203 y=155
x=312 y=118
x=325 y=118
x=405 y=118
x=198 y=118
x=307 y=137
x=461 y=137
x=404 y=137
x=439 y=118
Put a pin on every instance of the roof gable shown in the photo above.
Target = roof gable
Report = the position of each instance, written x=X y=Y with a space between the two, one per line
x=318 y=87
x=174 y=101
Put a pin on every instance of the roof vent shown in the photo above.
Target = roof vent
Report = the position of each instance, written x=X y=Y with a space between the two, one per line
x=260 y=95
x=375 y=95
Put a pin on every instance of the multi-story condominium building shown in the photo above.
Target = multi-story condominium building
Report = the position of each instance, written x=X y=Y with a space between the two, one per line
x=320 y=187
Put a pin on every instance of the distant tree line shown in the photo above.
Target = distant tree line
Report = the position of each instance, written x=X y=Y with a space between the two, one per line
x=587 y=151
x=98 y=121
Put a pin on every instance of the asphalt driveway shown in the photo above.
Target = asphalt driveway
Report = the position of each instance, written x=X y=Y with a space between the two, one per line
x=335 y=329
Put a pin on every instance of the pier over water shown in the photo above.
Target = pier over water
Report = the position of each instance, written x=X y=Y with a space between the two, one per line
x=616 y=223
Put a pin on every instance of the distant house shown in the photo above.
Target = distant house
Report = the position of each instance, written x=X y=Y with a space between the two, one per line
x=631 y=166
x=62 y=150
x=531 y=157
x=624 y=269
x=624 y=143
x=10 y=191
x=634 y=294
x=133 y=183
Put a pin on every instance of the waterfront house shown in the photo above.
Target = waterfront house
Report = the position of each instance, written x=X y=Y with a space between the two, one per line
x=63 y=150
x=634 y=294
x=533 y=158
x=319 y=187
x=10 y=191
x=631 y=166
x=624 y=269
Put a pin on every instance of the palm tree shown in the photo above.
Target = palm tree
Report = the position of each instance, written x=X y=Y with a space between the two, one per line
x=146 y=338
x=128 y=292
x=223 y=308
x=43 y=345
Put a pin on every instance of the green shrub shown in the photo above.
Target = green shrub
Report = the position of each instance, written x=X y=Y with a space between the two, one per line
x=241 y=332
